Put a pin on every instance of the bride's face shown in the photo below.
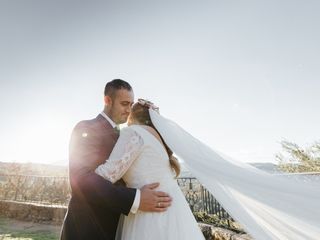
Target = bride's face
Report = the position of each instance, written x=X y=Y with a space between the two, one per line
x=131 y=121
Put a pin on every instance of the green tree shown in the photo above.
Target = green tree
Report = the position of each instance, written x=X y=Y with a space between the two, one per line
x=294 y=158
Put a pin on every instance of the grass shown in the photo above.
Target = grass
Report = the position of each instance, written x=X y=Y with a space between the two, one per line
x=18 y=230
x=26 y=235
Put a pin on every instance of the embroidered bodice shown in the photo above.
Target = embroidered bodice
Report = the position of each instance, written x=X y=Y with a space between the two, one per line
x=139 y=158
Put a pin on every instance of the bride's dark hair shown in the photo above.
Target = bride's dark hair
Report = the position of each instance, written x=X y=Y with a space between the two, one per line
x=140 y=114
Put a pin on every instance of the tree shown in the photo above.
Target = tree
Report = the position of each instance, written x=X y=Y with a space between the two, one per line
x=298 y=159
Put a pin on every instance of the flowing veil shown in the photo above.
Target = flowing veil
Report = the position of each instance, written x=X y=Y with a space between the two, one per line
x=267 y=206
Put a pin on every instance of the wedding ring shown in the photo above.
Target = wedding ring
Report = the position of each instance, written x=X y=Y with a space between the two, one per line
x=159 y=204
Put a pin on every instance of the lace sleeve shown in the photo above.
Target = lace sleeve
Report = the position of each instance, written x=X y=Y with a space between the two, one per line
x=126 y=150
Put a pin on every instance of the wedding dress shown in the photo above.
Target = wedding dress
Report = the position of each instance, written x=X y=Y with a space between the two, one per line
x=139 y=158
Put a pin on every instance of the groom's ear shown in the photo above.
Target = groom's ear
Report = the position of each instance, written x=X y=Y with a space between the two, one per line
x=107 y=100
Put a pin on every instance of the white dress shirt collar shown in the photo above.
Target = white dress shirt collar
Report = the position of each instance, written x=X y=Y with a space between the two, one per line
x=109 y=119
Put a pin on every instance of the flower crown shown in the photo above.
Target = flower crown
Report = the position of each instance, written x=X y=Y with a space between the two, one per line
x=148 y=104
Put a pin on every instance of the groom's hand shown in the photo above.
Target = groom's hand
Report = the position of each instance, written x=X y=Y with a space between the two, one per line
x=153 y=201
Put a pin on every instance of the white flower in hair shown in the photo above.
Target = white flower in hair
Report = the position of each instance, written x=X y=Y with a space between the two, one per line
x=149 y=104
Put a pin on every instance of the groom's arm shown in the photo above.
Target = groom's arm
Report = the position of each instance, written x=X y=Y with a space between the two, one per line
x=85 y=152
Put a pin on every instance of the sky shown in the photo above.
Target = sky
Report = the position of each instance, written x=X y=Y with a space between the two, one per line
x=239 y=75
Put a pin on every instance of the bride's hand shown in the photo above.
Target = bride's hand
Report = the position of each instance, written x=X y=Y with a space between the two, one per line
x=153 y=201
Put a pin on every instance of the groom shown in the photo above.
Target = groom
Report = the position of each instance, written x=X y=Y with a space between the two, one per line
x=96 y=204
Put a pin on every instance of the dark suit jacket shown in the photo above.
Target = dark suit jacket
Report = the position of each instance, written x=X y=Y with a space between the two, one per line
x=96 y=203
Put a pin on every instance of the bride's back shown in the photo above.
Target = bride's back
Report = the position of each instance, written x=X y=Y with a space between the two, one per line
x=152 y=164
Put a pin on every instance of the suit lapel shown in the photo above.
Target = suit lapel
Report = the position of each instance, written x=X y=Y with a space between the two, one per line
x=107 y=127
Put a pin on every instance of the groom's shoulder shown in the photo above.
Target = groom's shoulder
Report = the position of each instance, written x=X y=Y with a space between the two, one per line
x=86 y=131
x=90 y=124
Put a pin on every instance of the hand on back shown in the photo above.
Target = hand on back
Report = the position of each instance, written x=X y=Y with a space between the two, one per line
x=154 y=201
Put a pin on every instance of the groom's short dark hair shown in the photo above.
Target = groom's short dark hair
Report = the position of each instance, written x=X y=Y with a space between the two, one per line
x=114 y=85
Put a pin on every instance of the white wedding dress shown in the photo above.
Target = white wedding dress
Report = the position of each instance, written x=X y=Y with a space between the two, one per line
x=139 y=158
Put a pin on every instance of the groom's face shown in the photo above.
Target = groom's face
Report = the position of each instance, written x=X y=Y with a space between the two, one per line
x=120 y=105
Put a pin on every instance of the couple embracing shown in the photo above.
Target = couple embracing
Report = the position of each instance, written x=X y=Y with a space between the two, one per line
x=123 y=182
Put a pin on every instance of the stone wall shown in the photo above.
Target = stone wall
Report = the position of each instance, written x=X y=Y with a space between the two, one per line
x=32 y=212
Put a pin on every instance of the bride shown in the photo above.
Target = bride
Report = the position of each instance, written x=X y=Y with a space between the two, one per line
x=141 y=156
x=268 y=207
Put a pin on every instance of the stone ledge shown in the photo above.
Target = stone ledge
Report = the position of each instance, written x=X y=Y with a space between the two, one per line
x=32 y=212
x=215 y=233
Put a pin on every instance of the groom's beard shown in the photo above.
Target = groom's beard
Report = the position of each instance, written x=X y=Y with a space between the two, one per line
x=124 y=118
x=118 y=117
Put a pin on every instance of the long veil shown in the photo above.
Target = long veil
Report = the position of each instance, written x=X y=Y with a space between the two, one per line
x=267 y=206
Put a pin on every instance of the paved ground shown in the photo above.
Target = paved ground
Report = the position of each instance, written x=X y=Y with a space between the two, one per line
x=11 y=229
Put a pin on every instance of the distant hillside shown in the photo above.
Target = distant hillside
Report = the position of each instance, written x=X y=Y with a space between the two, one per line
x=33 y=169
x=267 y=167
x=264 y=166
